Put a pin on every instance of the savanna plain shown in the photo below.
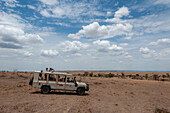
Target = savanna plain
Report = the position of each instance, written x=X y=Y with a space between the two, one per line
x=110 y=92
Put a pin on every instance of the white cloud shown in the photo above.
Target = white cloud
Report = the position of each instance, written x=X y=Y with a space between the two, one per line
x=123 y=11
x=74 y=36
x=12 y=32
x=94 y=30
x=10 y=3
x=109 y=13
x=123 y=44
x=115 y=48
x=105 y=46
x=166 y=2
x=49 y=53
x=145 y=50
x=63 y=24
x=27 y=54
x=73 y=47
x=11 y=20
x=63 y=9
x=9 y=34
x=49 y=2
x=115 y=20
x=31 y=7
x=102 y=43
x=164 y=41
x=77 y=54
x=148 y=53
x=151 y=24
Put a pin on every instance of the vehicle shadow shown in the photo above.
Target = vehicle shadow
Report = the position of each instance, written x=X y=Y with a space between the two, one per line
x=59 y=93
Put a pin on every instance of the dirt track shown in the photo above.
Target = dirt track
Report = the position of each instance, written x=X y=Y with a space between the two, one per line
x=106 y=95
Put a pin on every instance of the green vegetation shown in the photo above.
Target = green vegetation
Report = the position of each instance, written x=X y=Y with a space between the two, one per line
x=91 y=74
x=137 y=75
x=146 y=76
x=100 y=75
x=163 y=76
x=111 y=75
x=155 y=77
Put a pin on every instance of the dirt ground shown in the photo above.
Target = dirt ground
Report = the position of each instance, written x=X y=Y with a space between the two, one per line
x=106 y=95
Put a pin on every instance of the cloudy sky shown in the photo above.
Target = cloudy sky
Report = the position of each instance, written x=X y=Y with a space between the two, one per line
x=85 y=34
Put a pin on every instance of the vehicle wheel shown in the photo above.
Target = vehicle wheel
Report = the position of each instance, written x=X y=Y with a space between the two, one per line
x=45 y=90
x=81 y=91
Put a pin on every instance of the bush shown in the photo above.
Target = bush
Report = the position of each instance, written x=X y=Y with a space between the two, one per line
x=130 y=76
x=155 y=77
x=157 y=110
x=95 y=76
x=86 y=73
x=137 y=75
x=146 y=76
x=163 y=76
x=123 y=75
x=111 y=75
x=168 y=74
x=99 y=75
x=91 y=74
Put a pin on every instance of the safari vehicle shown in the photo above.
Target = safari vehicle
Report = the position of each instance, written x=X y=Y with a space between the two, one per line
x=50 y=80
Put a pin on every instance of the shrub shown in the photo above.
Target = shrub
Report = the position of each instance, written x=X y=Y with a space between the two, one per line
x=157 y=110
x=91 y=74
x=168 y=74
x=123 y=75
x=95 y=76
x=155 y=77
x=137 y=74
x=163 y=76
x=99 y=75
x=146 y=76
x=86 y=73
x=111 y=75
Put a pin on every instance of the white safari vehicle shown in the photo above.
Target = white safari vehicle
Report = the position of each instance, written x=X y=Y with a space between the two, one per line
x=50 y=80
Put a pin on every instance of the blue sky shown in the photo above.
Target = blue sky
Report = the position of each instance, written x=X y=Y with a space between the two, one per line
x=85 y=35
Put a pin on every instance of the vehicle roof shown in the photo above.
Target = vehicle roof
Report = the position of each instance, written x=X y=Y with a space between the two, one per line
x=53 y=72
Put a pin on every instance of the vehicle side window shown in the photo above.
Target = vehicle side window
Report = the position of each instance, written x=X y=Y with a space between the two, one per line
x=52 y=77
x=61 y=78
x=70 y=79
x=42 y=76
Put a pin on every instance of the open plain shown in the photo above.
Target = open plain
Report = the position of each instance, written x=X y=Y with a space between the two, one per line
x=106 y=95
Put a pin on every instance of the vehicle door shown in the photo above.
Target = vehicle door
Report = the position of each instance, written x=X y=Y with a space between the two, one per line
x=70 y=84
x=52 y=81
x=61 y=82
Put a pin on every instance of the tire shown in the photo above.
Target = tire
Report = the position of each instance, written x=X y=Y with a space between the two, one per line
x=45 y=90
x=81 y=91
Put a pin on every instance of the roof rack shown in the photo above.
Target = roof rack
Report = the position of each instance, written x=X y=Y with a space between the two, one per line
x=53 y=72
